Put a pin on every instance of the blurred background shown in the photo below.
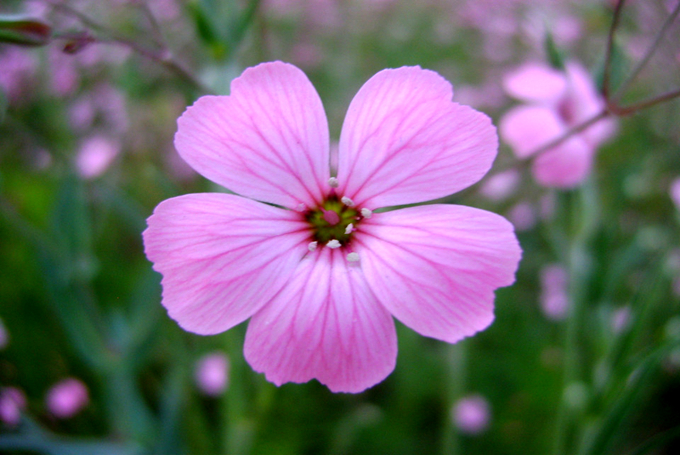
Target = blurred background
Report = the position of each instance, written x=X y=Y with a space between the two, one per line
x=584 y=354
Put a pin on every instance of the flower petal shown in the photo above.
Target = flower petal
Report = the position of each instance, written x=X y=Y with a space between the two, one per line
x=535 y=82
x=435 y=267
x=326 y=324
x=268 y=140
x=527 y=128
x=564 y=166
x=584 y=102
x=405 y=141
x=222 y=257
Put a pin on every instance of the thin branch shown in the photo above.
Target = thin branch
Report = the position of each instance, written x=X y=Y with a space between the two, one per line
x=650 y=52
x=570 y=132
x=162 y=57
x=610 y=49
x=155 y=26
x=623 y=111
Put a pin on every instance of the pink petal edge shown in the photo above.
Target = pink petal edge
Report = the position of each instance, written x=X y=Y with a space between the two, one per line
x=528 y=128
x=222 y=257
x=564 y=166
x=436 y=267
x=404 y=141
x=535 y=82
x=325 y=325
x=268 y=140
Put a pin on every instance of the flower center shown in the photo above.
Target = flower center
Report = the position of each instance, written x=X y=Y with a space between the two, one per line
x=335 y=219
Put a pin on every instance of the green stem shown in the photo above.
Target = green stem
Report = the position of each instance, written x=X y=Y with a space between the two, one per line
x=610 y=49
x=237 y=429
x=456 y=362
x=577 y=261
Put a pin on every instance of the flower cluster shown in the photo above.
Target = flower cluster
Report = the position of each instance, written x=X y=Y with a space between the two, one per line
x=556 y=101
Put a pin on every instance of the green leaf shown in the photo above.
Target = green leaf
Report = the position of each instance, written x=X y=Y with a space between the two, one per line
x=245 y=20
x=554 y=54
x=68 y=267
x=25 y=31
x=619 y=67
x=203 y=23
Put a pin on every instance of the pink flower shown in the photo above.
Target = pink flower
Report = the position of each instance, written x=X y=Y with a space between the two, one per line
x=471 y=414
x=12 y=403
x=500 y=186
x=554 y=297
x=18 y=73
x=522 y=216
x=674 y=192
x=317 y=270
x=95 y=156
x=556 y=102
x=67 y=398
x=212 y=373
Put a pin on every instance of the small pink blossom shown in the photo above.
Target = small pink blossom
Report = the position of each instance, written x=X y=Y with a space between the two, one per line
x=317 y=269
x=554 y=297
x=500 y=186
x=522 y=216
x=212 y=374
x=674 y=192
x=18 y=69
x=12 y=403
x=620 y=319
x=67 y=398
x=95 y=156
x=471 y=414
x=556 y=102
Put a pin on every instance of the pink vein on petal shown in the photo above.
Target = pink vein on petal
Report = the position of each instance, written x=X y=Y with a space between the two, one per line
x=326 y=325
x=222 y=257
x=405 y=141
x=435 y=267
x=268 y=140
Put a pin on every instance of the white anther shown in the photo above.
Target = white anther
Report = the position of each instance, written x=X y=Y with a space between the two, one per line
x=333 y=244
x=312 y=246
x=349 y=228
x=353 y=257
x=347 y=201
x=333 y=182
x=301 y=207
x=366 y=213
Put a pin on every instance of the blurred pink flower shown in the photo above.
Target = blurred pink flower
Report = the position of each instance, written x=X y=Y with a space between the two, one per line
x=500 y=186
x=212 y=373
x=12 y=403
x=95 y=156
x=472 y=414
x=674 y=192
x=554 y=297
x=67 y=398
x=522 y=216
x=64 y=73
x=620 y=319
x=556 y=102
x=321 y=274
x=17 y=68
x=103 y=103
